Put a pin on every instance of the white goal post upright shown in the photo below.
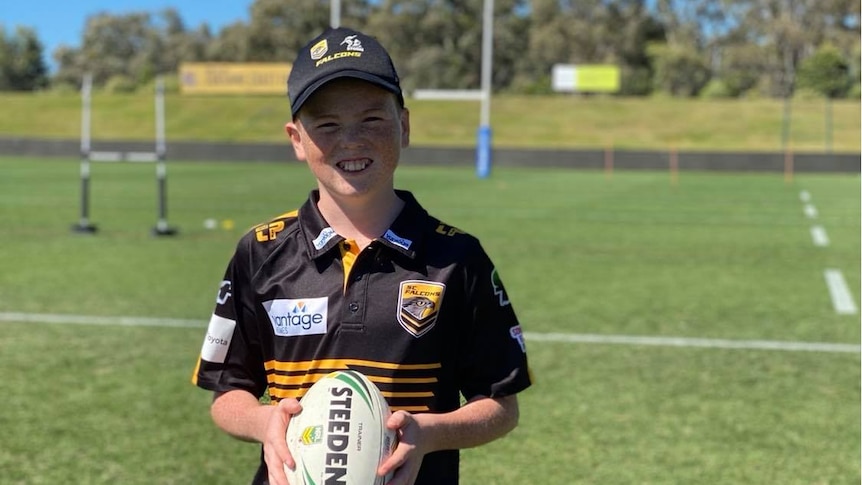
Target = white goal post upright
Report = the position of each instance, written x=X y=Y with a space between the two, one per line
x=84 y=224
x=484 y=135
x=162 y=228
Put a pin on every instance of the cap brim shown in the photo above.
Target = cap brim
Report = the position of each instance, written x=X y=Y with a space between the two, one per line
x=373 y=79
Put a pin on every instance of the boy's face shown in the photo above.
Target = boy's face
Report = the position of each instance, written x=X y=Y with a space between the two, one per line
x=350 y=132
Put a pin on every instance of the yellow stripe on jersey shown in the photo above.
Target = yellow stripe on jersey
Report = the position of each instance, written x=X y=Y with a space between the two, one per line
x=289 y=215
x=282 y=393
x=269 y=231
x=406 y=394
x=410 y=409
x=319 y=365
x=197 y=369
x=298 y=380
x=349 y=252
x=279 y=394
x=403 y=380
x=293 y=379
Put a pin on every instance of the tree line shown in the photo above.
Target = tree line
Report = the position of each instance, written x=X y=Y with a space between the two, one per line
x=683 y=48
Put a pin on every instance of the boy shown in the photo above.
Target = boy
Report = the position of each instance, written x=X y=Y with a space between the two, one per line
x=361 y=277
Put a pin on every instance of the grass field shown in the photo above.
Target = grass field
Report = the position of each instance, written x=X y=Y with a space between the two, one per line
x=715 y=256
x=518 y=121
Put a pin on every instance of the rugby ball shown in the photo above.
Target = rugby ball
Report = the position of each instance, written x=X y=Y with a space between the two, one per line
x=340 y=436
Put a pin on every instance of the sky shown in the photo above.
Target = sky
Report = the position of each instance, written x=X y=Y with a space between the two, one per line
x=58 y=22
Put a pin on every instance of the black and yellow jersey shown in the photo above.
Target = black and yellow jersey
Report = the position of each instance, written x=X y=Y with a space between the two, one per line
x=421 y=311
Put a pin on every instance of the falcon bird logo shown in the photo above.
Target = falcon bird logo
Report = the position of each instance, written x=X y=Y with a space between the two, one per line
x=419 y=305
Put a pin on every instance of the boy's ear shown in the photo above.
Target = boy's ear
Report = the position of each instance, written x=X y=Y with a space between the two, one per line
x=295 y=135
x=405 y=128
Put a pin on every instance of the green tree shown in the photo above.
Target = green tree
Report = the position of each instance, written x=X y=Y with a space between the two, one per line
x=173 y=44
x=70 y=70
x=826 y=72
x=230 y=45
x=22 y=67
x=438 y=44
x=5 y=60
x=115 y=45
x=679 y=70
x=676 y=46
x=133 y=47
x=740 y=68
x=592 y=32
x=278 y=28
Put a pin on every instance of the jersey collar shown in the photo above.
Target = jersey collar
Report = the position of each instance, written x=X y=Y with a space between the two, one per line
x=404 y=235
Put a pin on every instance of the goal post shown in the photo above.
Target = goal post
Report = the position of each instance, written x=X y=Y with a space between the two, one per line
x=161 y=228
x=89 y=156
x=84 y=224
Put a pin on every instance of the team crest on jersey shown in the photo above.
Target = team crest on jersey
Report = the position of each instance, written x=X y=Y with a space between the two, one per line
x=419 y=304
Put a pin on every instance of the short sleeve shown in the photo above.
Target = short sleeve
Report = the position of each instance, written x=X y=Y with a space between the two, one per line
x=230 y=356
x=493 y=354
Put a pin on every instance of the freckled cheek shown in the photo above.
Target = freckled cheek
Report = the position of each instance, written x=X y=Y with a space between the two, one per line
x=319 y=148
x=388 y=137
x=383 y=139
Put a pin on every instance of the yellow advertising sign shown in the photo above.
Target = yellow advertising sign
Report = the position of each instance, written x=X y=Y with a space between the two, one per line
x=233 y=78
x=587 y=78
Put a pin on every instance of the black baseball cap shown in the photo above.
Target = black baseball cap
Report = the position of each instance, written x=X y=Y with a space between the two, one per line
x=338 y=53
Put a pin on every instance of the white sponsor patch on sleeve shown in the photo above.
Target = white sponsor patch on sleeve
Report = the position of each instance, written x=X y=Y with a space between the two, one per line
x=217 y=341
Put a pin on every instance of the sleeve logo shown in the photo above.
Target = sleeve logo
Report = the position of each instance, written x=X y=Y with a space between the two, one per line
x=224 y=292
x=419 y=304
x=499 y=291
x=217 y=340
x=516 y=333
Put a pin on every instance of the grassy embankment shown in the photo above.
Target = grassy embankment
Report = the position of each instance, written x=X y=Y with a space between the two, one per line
x=536 y=122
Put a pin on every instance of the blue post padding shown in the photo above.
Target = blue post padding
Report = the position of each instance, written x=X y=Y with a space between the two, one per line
x=483 y=152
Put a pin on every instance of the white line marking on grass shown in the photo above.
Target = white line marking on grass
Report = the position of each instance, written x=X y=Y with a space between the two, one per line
x=692 y=342
x=818 y=235
x=842 y=300
x=804 y=196
x=810 y=211
x=99 y=320
x=49 y=318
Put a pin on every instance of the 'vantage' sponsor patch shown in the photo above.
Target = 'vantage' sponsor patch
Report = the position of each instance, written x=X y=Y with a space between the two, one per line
x=295 y=317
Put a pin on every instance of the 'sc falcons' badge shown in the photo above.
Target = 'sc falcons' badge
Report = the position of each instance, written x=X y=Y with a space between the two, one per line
x=498 y=288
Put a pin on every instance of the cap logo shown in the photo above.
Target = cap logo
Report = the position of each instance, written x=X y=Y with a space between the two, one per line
x=338 y=53
x=319 y=50
x=353 y=44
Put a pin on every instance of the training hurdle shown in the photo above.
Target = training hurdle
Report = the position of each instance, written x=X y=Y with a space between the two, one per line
x=159 y=156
